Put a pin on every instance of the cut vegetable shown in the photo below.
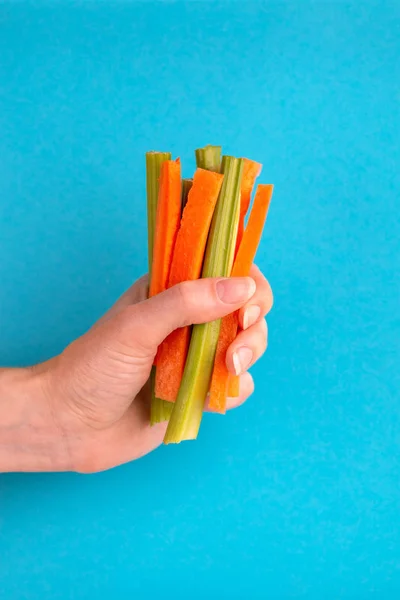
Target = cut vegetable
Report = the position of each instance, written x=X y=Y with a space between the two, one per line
x=187 y=261
x=233 y=386
x=241 y=268
x=186 y=187
x=192 y=361
x=253 y=232
x=209 y=158
x=220 y=376
x=160 y=410
x=154 y=160
x=251 y=170
x=167 y=224
x=186 y=265
x=171 y=359
x=188 y=408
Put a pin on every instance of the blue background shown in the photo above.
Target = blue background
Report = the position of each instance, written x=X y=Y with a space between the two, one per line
x=297 y=494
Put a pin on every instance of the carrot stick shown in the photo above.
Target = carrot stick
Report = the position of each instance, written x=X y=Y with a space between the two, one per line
x=233 y=386
x=160 y=411
x=187 y=413
x=186 y=265
x=253 y=232
x=187 y=259
x=167 y=224
x=171 y=359
x=251 y=170
x=220 y=375
x=229 y=326
x=154 y=161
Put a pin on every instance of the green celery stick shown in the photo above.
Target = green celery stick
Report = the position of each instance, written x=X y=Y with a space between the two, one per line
x=186 y=187
x=187 y=412
x=209 y=158
x=160 y=410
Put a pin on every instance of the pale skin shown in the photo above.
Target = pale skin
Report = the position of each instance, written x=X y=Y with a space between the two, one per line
x=87 y=409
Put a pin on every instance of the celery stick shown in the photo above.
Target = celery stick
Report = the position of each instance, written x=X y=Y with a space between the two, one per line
x=187 y=413
x=160 y=410
x=186 y=187
x=209 y=158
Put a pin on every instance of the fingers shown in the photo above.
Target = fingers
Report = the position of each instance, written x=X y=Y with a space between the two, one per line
x=136 y=293
x=147 y=324
x=260 y=304
x=247 y=348
x=132 y=436
x=115 y=358
x=256 y=308
x=246 y=389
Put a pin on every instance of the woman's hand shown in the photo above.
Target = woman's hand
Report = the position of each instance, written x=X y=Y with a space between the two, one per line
x=88 y=409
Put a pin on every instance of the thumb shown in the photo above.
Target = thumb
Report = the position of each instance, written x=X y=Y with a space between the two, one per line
x=148 y=323
x=108 y=366
x=135 y=333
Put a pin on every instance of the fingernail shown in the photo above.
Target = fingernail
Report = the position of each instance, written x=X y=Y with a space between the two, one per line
x=235 y=290
x=242 y=360
x=251 y=315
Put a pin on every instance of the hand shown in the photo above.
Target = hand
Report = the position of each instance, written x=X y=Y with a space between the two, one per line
x=96 y=393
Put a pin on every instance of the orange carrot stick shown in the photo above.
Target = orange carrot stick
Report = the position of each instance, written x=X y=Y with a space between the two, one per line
x=220 y=376
x=233 y=390
x=251 y=170
x=186 y=265
x=167 y=224
x=229 y=326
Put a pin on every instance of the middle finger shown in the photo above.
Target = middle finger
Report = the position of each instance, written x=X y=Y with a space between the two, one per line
x=247 y=348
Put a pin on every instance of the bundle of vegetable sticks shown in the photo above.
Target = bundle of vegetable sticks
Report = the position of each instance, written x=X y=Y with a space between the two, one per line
x=196 y=228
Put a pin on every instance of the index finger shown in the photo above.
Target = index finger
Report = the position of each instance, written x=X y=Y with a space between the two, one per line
x=260 y=304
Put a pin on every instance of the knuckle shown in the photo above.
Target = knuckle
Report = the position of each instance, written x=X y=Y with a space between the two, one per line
x=184 y=300
x=132 y=319
x=142 y=342
x=184 y=292
x=128 y=313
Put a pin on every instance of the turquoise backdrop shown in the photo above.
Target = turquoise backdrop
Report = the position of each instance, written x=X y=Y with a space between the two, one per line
x=297 y=494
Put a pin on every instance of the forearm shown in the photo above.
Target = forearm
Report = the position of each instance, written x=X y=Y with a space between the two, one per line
x=29 y=438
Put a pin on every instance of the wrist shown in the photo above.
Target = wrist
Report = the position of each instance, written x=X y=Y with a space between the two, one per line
x=29 y=437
